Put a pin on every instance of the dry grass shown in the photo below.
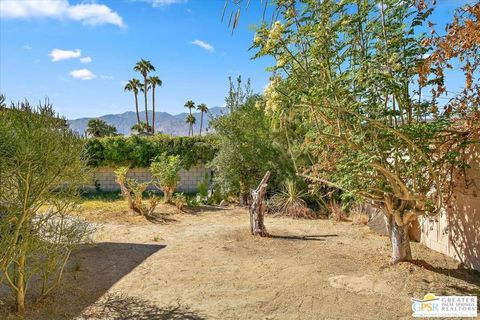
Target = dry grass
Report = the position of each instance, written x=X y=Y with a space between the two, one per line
x=337 y=212
x=112 y=209
x=101 y=206
x=360 y=218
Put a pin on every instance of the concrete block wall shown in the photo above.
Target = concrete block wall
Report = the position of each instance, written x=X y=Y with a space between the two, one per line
x=189 y=179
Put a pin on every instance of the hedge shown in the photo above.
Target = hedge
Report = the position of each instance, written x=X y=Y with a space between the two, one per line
x=139 y=151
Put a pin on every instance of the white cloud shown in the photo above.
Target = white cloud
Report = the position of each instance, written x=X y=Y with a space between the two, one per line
x=58 y=54
x=161 y=3
x=83 y=74
x=27 y=47
x=106 y=77
x=85 y=60
x=203 y=45
x=87 y=13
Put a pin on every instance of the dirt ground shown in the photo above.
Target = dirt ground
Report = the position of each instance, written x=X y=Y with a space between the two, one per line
x=206 y=265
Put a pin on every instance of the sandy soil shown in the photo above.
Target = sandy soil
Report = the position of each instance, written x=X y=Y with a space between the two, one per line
x=207 y=266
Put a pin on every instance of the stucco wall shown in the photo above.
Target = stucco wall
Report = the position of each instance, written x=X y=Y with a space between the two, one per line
x=189 y=179
x=456 y=231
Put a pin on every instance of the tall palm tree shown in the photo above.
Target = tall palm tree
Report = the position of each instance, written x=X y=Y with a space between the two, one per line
x=134 y=85
x=144 y=67
x=154 y=81
x=203 y=109
x=190 y=105
x=191 y=121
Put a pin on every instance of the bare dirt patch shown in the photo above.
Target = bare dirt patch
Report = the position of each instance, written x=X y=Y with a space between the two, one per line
x=206 y=265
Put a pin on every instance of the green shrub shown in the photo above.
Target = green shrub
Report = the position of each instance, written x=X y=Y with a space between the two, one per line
x=41 y=169
x=165 y=170
x=140 y=151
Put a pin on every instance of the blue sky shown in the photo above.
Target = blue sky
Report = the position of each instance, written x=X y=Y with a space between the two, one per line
x=162 y=34
x=99 y=42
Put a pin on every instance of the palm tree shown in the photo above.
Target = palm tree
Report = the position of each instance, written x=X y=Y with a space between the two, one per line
x=98 y=128
x=190 y=105
x=191 y=121
x=133 y=85
x=140 y=128
x=154 y=81
x=203 y=109
x=144 y=67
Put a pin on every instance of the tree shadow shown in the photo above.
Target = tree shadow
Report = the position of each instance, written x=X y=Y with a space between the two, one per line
x=206 y=208
x=468 y=275
x=160 y=218
x=318 y=237
x=91 y=271
x=122 y=307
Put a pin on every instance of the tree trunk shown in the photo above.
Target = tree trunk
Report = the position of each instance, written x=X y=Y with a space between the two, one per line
x=257 y=226
x=20 y=283
x=400 y=240
x=153 y=108
x=168 y=193
x=243 y=196
x=201 y=123
x=145 y=89
x=136 y=108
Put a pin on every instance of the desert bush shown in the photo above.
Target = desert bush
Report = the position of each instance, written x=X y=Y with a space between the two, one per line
x=132 y=191
x=180 y=201
x=42 y=166
x=337 y=213
x=210 y=196
x=290 y=201
x=166 y=173
x=202 y=186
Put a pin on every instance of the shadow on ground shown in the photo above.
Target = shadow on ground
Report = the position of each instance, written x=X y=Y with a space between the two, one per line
x=122 y=307
x=467 y=275
x=91 y=271
x=315 y=237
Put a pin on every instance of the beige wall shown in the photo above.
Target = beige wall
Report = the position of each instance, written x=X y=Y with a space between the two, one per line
x=189 y=179
x=456 y=231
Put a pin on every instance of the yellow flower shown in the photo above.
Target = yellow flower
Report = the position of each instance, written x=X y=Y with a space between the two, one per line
x=257 y=40
x=272 y=96
x=281 y=61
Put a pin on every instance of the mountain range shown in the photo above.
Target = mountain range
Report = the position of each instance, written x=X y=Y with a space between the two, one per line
x=164 y=122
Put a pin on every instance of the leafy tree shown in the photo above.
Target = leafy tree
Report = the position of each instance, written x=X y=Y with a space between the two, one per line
x=165 y=170
x=42 y=166
x=99 y=128
x=154 y=82
x=203 y=109
x=348 y=72
x=144 y=67
x=237 y=94
x=134 y=85
x=247 y=148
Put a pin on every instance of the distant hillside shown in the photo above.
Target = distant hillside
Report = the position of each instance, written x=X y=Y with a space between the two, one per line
x=164 y=122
